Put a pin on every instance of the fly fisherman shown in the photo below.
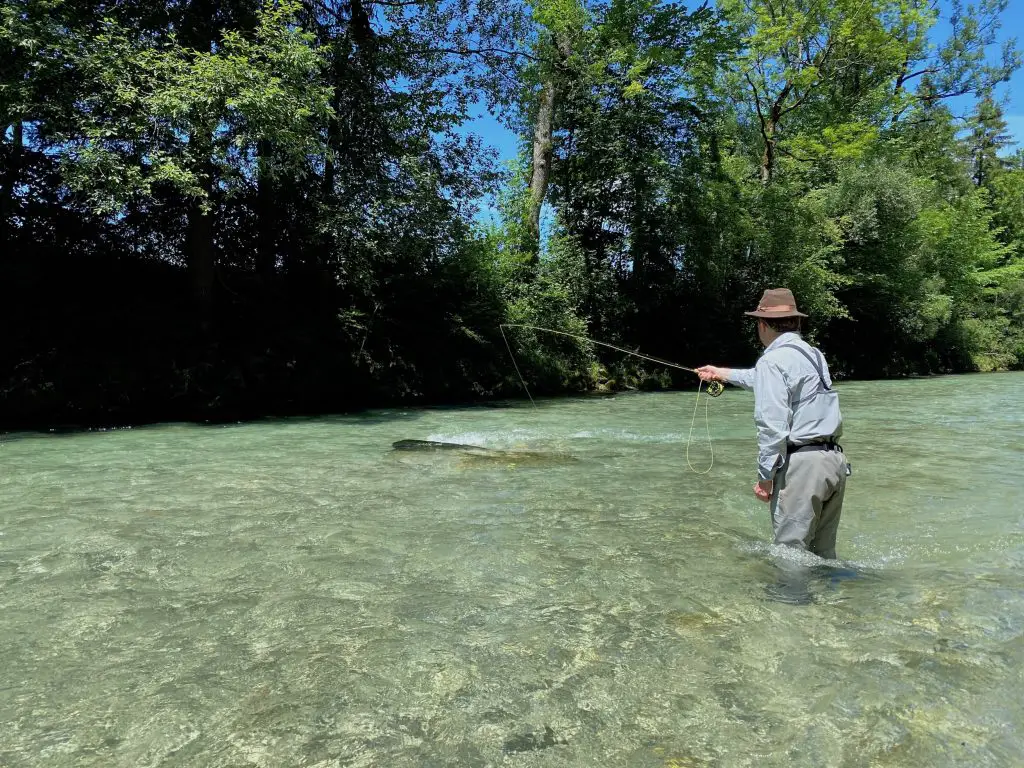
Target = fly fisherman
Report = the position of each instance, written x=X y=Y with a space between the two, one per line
x=801 y=468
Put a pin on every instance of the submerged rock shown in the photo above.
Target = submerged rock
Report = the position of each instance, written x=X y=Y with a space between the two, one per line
x=531 y=742
x=476 y=455
x=432 y=445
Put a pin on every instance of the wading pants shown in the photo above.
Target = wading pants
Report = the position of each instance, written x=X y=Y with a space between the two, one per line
x=807 y=501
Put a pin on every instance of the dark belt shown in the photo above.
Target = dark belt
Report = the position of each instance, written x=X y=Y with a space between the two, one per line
x=828 y=445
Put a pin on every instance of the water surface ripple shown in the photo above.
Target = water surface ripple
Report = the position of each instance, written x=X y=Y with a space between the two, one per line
x=296 y=594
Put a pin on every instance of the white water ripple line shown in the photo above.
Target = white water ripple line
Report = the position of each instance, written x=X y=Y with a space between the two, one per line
x=519 y=438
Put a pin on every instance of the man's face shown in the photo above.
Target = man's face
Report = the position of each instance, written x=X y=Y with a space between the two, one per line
x=762 y=333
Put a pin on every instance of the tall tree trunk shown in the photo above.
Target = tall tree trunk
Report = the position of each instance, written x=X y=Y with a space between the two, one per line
x=199 y=32
x=543 y=133
x=199 y=236
x=770 y=128
x=769 y=120
x=335 y=161
x=542 y=147
x=768 y=157
x=361 y=29
x=200 y=257
x=266 y=215
x=335 y=133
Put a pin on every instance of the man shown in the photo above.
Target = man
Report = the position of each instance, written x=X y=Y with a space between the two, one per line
x=801 y=469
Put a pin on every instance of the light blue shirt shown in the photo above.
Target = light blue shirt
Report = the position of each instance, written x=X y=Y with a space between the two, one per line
x=790 y=403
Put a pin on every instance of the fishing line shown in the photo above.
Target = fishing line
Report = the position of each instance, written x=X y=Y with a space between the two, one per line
x=714 y=388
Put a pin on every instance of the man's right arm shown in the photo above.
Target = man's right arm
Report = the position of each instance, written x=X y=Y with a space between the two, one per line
x=742 y=377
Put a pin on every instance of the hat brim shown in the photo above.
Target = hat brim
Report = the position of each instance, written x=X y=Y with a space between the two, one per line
x=767 y=315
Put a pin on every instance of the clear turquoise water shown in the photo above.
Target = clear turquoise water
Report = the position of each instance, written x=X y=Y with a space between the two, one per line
x=296 y=594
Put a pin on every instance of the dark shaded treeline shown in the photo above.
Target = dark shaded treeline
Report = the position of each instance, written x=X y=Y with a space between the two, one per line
x=222 y=211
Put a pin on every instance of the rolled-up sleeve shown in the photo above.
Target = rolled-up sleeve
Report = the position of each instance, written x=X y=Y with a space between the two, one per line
x=772 y=417
x=742 y=377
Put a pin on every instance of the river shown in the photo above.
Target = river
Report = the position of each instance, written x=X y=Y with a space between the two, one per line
x=295 y=593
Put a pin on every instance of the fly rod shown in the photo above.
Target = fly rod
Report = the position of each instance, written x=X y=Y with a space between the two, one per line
x=714 y=388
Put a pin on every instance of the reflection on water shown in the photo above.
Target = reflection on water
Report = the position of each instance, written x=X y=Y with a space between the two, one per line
x=300 y=594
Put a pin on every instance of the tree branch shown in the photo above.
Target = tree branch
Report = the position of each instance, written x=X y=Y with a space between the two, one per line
x=787 y=153
x=757 y=105
x=474 y=52
x=777 y=110
x=925 y=71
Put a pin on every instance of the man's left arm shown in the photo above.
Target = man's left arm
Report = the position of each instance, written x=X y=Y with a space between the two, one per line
x=773 y=419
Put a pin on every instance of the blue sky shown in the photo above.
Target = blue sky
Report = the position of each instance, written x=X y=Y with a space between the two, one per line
x=496 y=136
x=1011 y=93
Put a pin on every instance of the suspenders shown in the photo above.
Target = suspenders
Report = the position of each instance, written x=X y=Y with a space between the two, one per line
x=817 y=363
x=819 y=368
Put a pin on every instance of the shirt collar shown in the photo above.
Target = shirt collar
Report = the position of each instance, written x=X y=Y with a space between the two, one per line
x=782 y=340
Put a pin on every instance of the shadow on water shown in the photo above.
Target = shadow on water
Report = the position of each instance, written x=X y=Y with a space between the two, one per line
x=804 y=579
x=361 y=418
x=432 y=445
x=478 y=455
x=357 y=417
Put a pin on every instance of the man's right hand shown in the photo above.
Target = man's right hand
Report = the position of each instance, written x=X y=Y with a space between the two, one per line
x=711 y=373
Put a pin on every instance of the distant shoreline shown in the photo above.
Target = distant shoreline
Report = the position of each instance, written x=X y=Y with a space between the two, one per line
x=228 y=419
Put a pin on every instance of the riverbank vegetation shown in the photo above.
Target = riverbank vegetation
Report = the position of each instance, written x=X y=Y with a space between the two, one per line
x=224 y=210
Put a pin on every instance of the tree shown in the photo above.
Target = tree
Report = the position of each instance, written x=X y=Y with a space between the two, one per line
x=560 y=26
x=988 y=138
x=800 y=58
x=840 y=71
x=286 y=200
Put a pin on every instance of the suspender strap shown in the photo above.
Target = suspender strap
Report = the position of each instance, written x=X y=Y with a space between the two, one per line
x=818 y=367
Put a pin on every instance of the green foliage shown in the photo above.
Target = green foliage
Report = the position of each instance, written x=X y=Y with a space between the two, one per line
x=161 y=114
x=548 y=296
x=1007 y=189
x=284 y=200
x=833 y=168
x=549 y=362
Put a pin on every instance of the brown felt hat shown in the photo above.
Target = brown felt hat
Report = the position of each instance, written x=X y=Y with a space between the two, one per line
x=776 y=302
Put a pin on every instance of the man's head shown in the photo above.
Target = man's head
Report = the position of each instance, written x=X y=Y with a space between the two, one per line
x=776 y=314
x=770 y=329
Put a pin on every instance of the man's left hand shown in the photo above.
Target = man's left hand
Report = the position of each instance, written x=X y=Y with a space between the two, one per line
x=763 y=490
